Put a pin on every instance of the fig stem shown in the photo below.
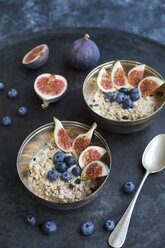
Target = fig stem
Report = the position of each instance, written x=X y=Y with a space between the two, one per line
x=86 y=36
x=44 y=105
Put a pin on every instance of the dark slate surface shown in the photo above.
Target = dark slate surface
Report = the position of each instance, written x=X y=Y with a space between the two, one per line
x=145 y=17
x=147 y=224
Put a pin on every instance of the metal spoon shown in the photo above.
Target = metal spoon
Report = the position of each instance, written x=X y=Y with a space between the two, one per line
x=153 y=161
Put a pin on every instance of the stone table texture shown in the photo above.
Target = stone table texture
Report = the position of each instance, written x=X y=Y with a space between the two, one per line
x=19 y=17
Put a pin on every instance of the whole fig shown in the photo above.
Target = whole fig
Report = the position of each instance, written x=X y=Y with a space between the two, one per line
x=84 y=53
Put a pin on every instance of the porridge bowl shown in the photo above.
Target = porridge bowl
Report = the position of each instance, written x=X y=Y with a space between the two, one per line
x=36 y=156
x=105 y=116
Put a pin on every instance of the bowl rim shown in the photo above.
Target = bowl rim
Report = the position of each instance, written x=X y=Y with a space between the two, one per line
x=47 y=126
x=106 y=65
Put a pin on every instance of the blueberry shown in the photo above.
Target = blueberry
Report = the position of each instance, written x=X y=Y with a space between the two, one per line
x=22 y=111
x=120 y=97
x=127 y=103
x=93 y=100
x=91 y=105
x=125 y=117
x=61 y=167
x=12 y=93
x=135 y=97
x=128 y=187
x=109 y=225
x=66 y=176
x=110 y=96
x=52 y=175
x=31 y=220
x=134 y=91
x=96 y=105
x=78 y=181
x=70 y=160
x=49 y=227
x=71 y=186
x=2 y=86
x=59 y=157
x=87 y=228
x=6 y=121
x=76 y=171
x=124 y=90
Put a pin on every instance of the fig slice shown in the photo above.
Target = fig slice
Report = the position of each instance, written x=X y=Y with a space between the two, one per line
x=104 y=81
x=118 y=76
x=135 y=75
x=50 y=88
x=93 y=170
x=61 y=137
x=82 y=141
x=148 y=85
x=90 y=154
x=37 y=57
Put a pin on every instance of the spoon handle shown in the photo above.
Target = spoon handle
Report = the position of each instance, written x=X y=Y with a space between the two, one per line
x=118 y=236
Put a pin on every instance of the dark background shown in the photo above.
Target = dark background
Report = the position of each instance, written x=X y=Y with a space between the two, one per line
x=146 y=18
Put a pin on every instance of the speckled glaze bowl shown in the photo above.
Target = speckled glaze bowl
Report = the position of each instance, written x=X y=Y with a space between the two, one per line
x=38 y=139
x=126 y=126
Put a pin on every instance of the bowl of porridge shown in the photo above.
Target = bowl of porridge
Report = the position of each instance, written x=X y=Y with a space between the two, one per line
x=111 y=115
x=36 y=158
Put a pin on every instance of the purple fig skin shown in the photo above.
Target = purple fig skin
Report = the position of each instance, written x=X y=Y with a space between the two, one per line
x=84 y=53
x=40 y=61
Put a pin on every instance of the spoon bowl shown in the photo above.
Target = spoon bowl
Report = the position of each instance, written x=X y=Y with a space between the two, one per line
x=154 y=155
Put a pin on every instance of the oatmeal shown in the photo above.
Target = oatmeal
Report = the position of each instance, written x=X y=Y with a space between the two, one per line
x=114 y=111
x=59 y=190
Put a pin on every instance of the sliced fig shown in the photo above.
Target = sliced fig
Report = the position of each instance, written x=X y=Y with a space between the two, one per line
x=148 y=85
x=135 y=75
x=61 y=137
x=37 y=57
x=90 y=154
x=118 y=76
x=93 y=170
x=50 y=88
x=82 y=141
x=104 y=81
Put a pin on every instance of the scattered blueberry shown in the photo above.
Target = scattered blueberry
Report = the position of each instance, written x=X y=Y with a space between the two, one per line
x=78 y=181
x=87 y=228
x=93 y=100
x=128 y=187
x=6 y=121
x=22 y=111
x=110 y=96
x=66 y=176
x=12 y=93
x=71 y=186
x=2 y=86
x=70 y=160
x=135 y=97
x=125 y=117
x=120 y=97
x=59 y=157
x=61 y=167
x=96 y=105
x=91 y=105
x=31 y=220
x=53 y=175
x=49 y=227
x=134 y=91
x=109 y=225
x=124 y=90
x=127 y=103
x=76 y=171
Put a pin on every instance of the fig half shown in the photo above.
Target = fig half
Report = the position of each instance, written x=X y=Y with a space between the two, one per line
x=50 y=88
x=93 y=170
x=37 y=57
x=104 y=81
x=61 y=137
x=118 y=76
x=148 y=85
x=90 y=154
x=82 y=141
x=135 y=75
